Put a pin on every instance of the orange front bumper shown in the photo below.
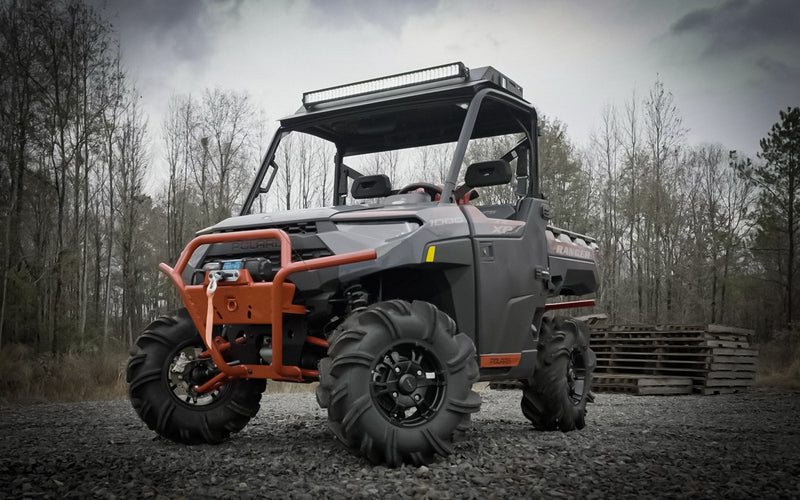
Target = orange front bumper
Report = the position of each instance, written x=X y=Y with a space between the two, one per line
x=245 y=301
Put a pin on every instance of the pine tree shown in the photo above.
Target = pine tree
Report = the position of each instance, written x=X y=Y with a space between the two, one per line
x=779 y=204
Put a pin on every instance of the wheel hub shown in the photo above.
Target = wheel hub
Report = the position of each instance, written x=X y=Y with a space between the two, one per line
x=576 y=375
x=408 y=384
x=200 y=374
x=187 y=370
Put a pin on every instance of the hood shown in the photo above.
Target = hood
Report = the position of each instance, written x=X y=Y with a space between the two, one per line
x=255 y=221
x=308 y=215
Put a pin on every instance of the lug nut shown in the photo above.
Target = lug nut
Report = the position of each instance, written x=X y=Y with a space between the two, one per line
x=419 y=373
x=417 y=397
x=394 y=394
x=397 y=369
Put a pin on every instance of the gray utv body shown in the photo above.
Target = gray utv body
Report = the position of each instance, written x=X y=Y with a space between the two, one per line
x=487 y=270
x=491 y=269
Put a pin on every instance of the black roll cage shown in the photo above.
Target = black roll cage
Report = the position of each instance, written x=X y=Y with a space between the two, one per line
x=527 y=168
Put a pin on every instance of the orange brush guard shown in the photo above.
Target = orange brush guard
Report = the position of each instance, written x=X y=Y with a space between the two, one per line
x=245 y=301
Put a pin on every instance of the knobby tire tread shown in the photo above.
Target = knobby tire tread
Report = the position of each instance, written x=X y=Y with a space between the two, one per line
x=352 y=414
x=545 y=397
x=161 y=410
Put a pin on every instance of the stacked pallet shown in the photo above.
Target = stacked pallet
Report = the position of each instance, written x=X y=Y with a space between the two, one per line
x=672 y=359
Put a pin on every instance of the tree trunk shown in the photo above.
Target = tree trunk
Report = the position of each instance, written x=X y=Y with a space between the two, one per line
x=790 y=257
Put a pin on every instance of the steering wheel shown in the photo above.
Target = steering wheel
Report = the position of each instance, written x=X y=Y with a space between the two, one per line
x=431 y=190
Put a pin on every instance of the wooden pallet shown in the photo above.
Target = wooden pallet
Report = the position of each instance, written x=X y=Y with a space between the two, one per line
x=715 y=359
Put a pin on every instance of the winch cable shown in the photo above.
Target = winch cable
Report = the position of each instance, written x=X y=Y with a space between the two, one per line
x=212 y=287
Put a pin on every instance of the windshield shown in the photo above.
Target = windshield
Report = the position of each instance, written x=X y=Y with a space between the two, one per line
x=401 y=145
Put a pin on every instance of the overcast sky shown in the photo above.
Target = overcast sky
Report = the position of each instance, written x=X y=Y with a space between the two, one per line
x=731 y=65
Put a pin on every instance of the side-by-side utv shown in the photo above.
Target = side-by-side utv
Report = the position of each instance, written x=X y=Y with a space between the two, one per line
x=431 y=269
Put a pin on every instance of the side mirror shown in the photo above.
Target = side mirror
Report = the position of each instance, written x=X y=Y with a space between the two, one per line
x=488 y=173
x=371 y=186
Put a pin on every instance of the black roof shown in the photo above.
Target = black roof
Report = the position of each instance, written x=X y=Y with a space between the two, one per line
x=414 y=115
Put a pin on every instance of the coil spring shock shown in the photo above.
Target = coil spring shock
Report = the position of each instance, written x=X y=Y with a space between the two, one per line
x=356 y=297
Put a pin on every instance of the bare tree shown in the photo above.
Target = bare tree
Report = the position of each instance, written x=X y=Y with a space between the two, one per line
x=286 y=172
x=227 y=119
x=324 y=153
x=665 y=134
x=131 y=169
x=61 y=109
x=178 y=135
x=634 y=167
x=111 y=117
x=719 y=206
x=17 y=96
x=607 y=146
x=306 y=169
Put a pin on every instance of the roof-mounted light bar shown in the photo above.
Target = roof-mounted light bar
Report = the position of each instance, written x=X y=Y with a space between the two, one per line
x=393 y=82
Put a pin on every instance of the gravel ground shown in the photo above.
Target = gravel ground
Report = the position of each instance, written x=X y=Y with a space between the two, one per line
x=733 y=446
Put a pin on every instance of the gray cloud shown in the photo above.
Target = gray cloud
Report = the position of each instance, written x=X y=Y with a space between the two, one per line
x=738 y=25
x=701 y=19
x=778 y=70
x=184 y=27
x=390 y=15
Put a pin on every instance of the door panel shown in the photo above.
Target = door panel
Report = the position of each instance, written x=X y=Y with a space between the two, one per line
x=508 y=294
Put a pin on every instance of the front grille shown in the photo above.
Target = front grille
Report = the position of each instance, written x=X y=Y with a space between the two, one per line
x=309 y=227
x=305 y=245
x=307 y=254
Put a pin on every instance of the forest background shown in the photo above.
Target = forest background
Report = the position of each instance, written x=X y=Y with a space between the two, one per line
x=689 y=233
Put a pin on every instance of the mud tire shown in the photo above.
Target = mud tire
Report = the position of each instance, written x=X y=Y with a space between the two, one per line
x=153 y=398
x=393 y=353
x=553 y=399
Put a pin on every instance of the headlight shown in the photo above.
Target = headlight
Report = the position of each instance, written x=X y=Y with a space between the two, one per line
x=383 y=232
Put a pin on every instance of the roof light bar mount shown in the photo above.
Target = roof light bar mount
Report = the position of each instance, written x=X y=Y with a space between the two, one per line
x=426 y=76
